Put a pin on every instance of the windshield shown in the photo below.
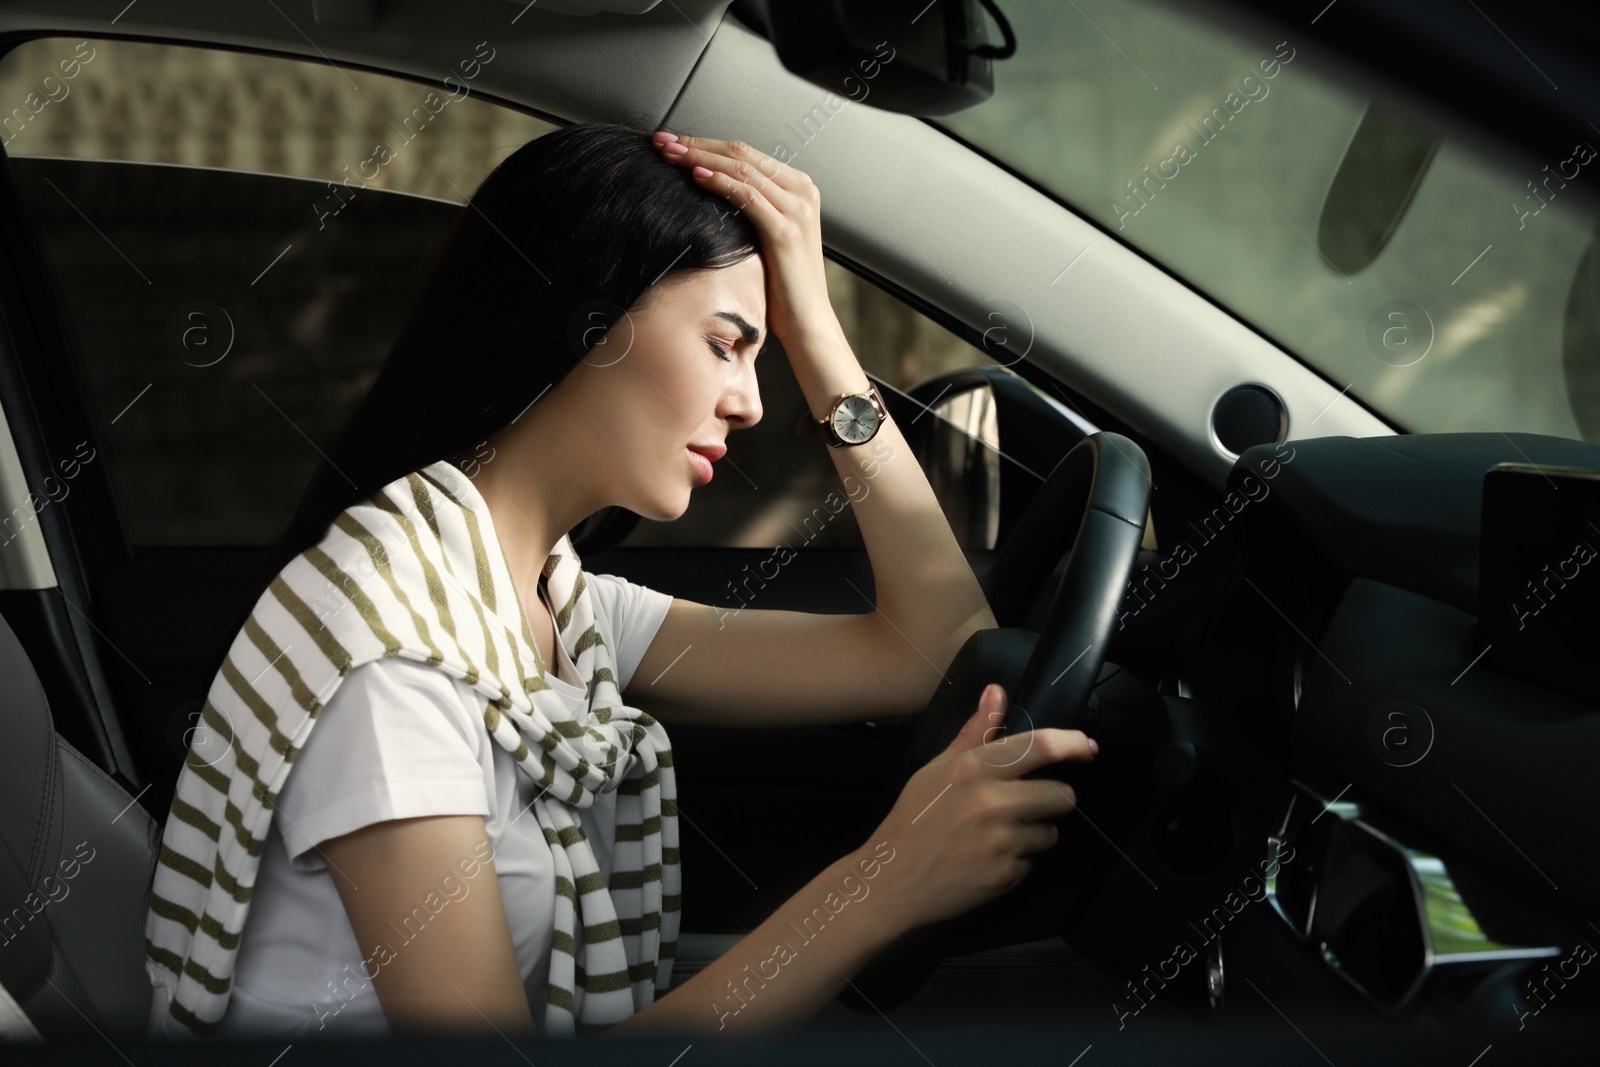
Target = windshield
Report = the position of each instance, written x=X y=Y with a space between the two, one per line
x=1445 y=290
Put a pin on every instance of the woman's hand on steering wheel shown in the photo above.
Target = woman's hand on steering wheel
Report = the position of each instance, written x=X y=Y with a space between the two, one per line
x=966 y=823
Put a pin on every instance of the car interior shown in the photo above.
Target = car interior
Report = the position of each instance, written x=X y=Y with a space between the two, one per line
x=1268 y=428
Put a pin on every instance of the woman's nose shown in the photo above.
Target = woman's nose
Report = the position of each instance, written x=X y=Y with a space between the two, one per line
x=743 y=402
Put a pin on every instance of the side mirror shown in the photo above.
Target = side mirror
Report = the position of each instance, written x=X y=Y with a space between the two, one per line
x=957 y=441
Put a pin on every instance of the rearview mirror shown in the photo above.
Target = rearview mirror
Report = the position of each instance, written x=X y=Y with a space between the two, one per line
x=917 y=57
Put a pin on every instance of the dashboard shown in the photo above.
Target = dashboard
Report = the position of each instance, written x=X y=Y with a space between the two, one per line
x=1371 y=646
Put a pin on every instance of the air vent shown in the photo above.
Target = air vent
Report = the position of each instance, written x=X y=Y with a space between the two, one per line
x=1248 y=415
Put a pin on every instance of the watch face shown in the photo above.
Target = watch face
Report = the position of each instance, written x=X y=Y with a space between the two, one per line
x=855 y=420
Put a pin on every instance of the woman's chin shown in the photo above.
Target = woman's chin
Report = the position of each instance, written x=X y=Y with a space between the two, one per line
x=668 y=511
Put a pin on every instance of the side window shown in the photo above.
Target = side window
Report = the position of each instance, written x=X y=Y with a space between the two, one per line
x=236 y=240
x=780 y=489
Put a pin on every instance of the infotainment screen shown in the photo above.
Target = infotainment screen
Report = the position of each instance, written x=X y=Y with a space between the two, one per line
x=1539 y=575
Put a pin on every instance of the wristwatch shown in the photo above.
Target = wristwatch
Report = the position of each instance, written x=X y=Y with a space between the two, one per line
x=853 y=419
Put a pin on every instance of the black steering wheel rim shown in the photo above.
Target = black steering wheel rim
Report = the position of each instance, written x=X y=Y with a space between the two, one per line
x=1104 y=484
x=1100 y=490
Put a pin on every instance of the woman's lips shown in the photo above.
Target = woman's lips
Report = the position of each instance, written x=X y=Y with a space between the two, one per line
x=701 y=464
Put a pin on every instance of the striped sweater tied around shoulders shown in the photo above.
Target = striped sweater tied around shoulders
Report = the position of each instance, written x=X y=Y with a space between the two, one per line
x=416 y=570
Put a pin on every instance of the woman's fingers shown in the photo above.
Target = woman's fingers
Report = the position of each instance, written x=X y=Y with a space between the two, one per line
x=1038 y=837
x=1040 y=799
x=783 y=214
x=749 y=198
x=741 y=162
x=1040 y=747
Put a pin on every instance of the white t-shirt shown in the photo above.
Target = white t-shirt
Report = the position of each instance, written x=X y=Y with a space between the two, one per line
x=401 y=739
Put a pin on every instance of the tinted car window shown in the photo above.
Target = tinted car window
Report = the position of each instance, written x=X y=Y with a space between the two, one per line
x=236 y=239
x=231 y=260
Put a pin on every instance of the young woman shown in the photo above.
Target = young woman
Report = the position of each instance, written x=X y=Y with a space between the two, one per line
x=582 y=352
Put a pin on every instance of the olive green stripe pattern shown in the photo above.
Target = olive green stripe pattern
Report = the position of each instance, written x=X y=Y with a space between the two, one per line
x=269 y=650
x=636 y=831
x=380 y=561
x=357 y=597
x=417 y=570
x=422 y=496
x=480 y=557
x=487 y=598
x=564 y=618
x=418 y=485
x=302 y=614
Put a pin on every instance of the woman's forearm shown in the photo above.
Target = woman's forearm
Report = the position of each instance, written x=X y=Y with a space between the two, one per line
x=929 y=601
x=784 y=972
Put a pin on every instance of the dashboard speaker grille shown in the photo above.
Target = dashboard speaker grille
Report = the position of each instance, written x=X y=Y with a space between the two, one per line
x=1247 y=415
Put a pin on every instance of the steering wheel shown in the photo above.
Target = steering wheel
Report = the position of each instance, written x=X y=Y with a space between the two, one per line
x=1103 y=487
x=1101 y=490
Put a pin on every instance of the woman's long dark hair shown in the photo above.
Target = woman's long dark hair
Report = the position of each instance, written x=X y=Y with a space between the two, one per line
x=567 y=232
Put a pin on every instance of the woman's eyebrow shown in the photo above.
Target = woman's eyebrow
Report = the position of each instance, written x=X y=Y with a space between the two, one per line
x=749 y=332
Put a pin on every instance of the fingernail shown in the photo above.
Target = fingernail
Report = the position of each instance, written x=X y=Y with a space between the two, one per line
x=1094 y=747
x=702 y=172
x=673 y=148
x=663 y=135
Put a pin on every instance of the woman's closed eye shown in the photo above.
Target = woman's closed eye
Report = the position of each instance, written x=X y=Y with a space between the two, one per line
x=719 y=350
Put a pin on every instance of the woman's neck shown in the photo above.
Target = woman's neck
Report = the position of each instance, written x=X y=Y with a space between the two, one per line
x=534 y=495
